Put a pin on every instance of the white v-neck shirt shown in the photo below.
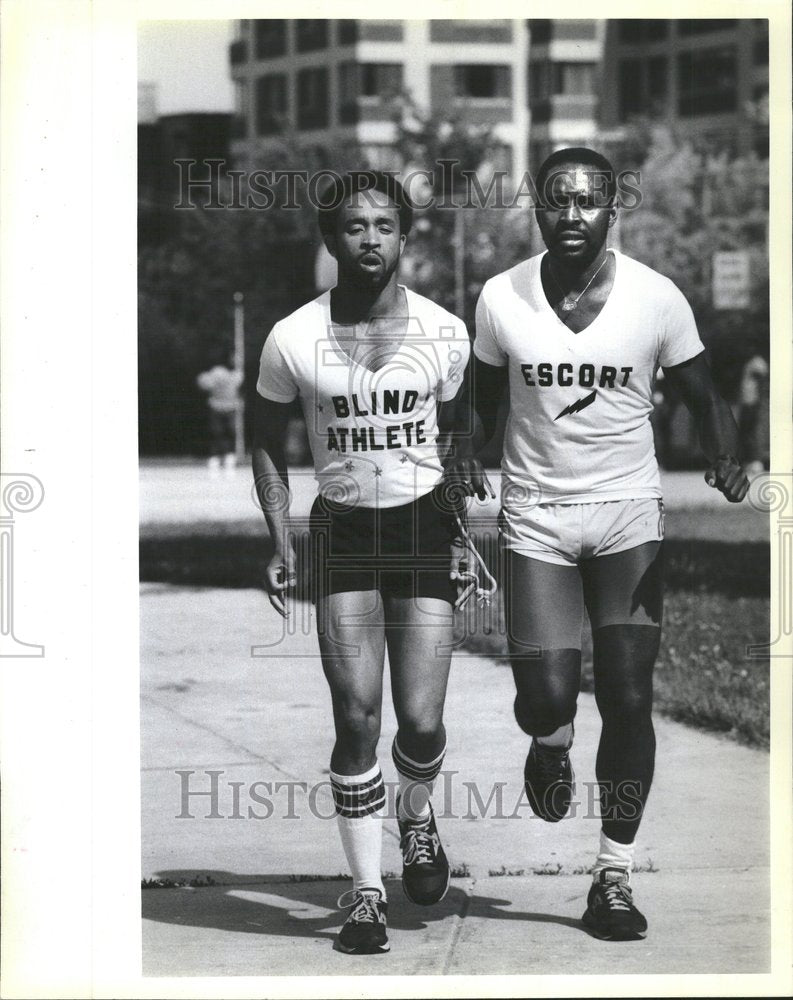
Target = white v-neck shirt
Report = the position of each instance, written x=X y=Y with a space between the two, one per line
x=579 y=403
x=373 y=434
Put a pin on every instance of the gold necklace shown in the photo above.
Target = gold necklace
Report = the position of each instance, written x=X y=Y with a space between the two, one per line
x=568 y=304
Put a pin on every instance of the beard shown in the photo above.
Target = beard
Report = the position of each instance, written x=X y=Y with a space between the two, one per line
x=364 y=280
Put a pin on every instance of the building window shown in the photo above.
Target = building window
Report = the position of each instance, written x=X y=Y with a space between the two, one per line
x=347 y=31
x=374 y=81
x=657 y=84
x=349 y=90
x=348 y=81
x=539 y=75
x=574 y=78
x=540 y=28
x=640 y=30
x=574 y=29
x=271 y=107
x=643 y=85
x=707 y=81
x=380 y=31
x=696 y=26
x=238 y=52
x=630 y=84
x=270 y=38
x=312 y=98
x=311 y=35
x=470 y=30
x=482 y=80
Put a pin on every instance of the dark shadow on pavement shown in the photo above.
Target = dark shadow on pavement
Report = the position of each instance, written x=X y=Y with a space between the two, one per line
x=214 y=906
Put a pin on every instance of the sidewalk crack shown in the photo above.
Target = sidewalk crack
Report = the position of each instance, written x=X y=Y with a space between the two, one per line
x=458 y=927
x=259 y=758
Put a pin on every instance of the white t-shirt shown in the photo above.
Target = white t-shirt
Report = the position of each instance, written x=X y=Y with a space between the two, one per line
x=373 y=434
x=579 y=403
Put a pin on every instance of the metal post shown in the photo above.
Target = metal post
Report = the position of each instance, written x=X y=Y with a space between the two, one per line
x=239 y=367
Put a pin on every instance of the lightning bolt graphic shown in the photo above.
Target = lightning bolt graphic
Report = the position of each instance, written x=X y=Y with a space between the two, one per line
x=579 y=404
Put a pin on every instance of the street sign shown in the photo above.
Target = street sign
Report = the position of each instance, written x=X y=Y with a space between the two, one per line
x=731 y=279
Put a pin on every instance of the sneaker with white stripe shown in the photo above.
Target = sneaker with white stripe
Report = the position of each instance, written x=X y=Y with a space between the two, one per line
x=364 y=930
x=425 y=868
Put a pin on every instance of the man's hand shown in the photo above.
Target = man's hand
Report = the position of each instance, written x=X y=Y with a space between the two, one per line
x=727 y=475
x=279 y=577
x=460 y=572
x=469 y=474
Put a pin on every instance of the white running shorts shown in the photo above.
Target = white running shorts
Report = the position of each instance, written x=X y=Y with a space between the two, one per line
x=564 y=533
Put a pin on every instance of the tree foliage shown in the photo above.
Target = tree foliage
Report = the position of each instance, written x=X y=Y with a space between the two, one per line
x=488 y=237
x=186 y=287
x=695 y=202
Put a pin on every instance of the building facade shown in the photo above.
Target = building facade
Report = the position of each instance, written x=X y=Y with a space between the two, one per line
x=332 y=82
x=540 y=83
x=707 y=79
x=162 y=140
x=565 y=62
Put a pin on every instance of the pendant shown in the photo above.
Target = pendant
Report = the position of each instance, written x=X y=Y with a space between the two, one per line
x=568 y=304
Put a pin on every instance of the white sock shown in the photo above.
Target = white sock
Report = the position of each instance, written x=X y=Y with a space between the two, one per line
x=416 y=781
x=562 y=739
x=360 y=804
x=613 y=855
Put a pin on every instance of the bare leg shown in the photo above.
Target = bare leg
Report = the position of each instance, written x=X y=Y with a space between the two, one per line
x=352 y=645
x=544 y=611
x=624 y=595
x=419 y=636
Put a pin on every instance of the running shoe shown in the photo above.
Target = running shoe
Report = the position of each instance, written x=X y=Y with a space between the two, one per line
x=364 y=930
x=550 y=783
x=610 y=913
x=425 y=869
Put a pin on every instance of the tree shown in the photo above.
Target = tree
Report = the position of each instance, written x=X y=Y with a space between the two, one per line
x=463 y=238
x=186 y=286
x=695 y=201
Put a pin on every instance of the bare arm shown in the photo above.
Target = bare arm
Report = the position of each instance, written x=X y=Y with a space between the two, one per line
x=271 y=478
x=490 y=383
x=477 y=415
x=716 y=428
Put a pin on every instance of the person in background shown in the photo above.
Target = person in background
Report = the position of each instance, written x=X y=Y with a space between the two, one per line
x=222 y=386
x=753 y=415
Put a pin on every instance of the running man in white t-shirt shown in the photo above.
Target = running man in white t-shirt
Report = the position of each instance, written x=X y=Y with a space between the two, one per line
x=376 y=368
x=577 y=335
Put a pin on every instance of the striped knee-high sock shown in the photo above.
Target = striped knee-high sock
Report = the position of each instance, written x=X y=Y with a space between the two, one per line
x=416 y=781
x=360 y=804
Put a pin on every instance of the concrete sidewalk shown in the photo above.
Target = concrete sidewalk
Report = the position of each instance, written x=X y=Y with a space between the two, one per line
x=264 y=893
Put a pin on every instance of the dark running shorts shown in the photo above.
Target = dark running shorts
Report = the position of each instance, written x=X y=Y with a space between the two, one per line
x=400 y=551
